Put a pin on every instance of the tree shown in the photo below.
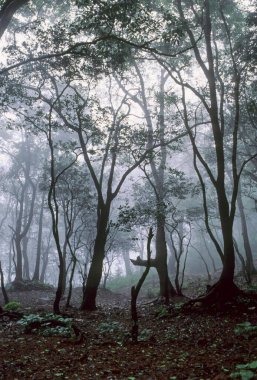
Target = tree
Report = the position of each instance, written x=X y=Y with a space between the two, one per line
x=39 y=238
x=55 y=174
x=90 y=134
x=222 y=74
x=25 y=196
x=7 y=10
x=158 y=163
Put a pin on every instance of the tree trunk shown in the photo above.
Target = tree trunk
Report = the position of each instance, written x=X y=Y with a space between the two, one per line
x=10 y=262
x=125 y=255
x=5 y=295
x=96 y=268
x=45 y=258
x=18 y=276
x=59 y=291
x=160 y=262
x=7 y=11
x=244 y=270
x=44 y=265
x=166 y=288
x=39 y=240
x=73 y=266
x=247 y=246
x=225 y=289
x=26 y=274
x=171 y=259
x=136 y=289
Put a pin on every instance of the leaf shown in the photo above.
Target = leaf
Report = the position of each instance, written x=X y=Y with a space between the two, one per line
x=243 y=374
x=252 y=365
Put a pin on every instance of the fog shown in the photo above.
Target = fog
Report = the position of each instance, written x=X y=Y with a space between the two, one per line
x=107 y=134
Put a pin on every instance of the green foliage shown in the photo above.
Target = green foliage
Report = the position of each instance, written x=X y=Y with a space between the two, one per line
x=245 y=371
x=116 y=283
x=109 y=327
x=243 y=375
x=12 y=306
x=162 y=312
x=252 y=288
x=44 y=324
x=145 y=335
x=114 y=330
x=245 y=328
x=252 y=365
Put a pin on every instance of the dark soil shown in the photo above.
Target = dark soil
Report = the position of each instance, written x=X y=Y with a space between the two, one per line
x=174 y=343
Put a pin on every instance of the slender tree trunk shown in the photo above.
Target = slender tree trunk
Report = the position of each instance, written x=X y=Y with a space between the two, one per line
x=166 y=288
x=172 y=259
x=136 y=289
x=245 y=269
x=59 y=290
x=18 y=238
x=44 y=265
x=64 y=258
x=18 y=276
x=247 y=246
x=96 y=268
x=209 y=254
x=54 y=211
x=5 y=295
x=39 y=240
x=26 y=274
x=22 y=226
x=125 y=255
x=45 y=258
x=227 y=275
x=10 y=262
x=73 y=267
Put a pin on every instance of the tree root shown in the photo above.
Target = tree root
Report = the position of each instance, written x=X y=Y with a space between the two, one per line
x=217 y=295
x=10 y=315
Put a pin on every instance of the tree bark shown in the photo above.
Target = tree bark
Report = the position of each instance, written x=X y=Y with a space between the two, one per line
x=5 y=295
x=125 y=255
x=166 y=288
x=26 y=274
x=39 y=240
x=160 y=262
x=96 y=268
x=214 y=105
x=247 y=246
x=136 y=289
x=73 y=267
x=7 y=11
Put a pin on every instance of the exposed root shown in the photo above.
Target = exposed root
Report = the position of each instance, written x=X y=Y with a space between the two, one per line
x=10 y=315
x=217 y=295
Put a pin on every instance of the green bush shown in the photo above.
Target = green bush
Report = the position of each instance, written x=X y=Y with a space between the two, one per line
x=12 y=306
x=47 y=325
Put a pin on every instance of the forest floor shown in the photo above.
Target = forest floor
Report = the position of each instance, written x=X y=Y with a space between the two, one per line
x=173 y=343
